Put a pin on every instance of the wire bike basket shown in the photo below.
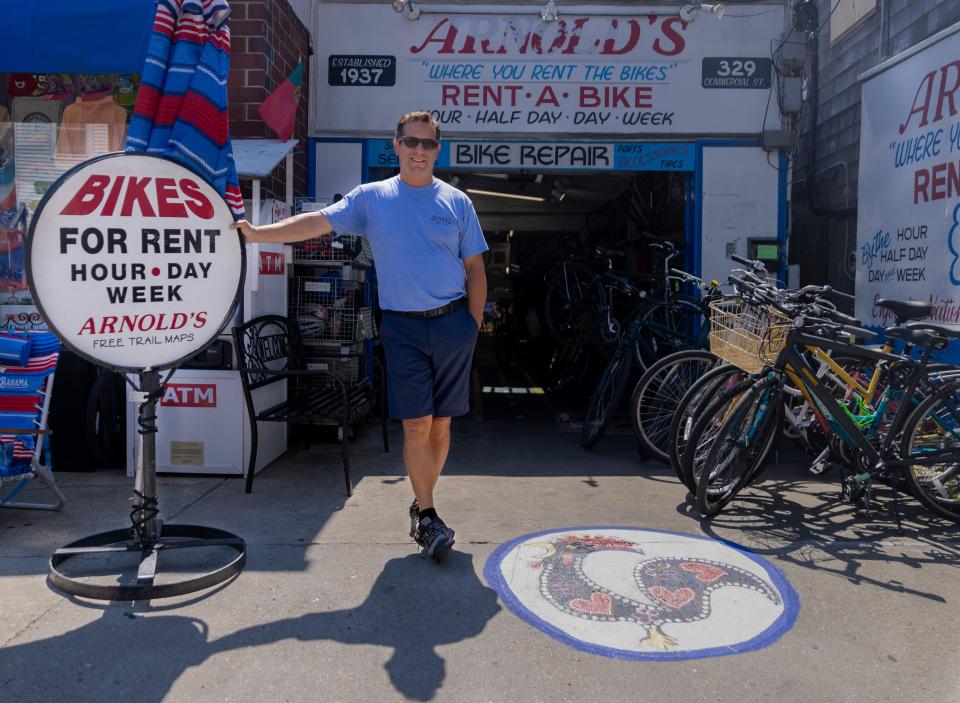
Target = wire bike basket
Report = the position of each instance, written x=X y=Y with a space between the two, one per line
x=746 y=335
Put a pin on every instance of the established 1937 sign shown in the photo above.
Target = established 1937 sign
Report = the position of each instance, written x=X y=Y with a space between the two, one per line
x=132 y=261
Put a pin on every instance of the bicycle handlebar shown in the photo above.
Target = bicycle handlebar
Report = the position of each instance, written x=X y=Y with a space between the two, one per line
x=755 y=264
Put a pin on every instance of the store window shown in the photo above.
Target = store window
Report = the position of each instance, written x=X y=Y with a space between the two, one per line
x=49 y=123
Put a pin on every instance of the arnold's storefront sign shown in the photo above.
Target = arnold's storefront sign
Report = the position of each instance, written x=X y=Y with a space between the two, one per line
x=132 y=261
x=637 y=69
x=908 y=221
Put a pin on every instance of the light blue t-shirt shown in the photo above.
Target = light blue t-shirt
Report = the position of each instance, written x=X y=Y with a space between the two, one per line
x=419 y=235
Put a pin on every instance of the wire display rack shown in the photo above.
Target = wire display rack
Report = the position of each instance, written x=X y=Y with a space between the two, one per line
x=347 y=368
x=329 y=308
x=346 y=249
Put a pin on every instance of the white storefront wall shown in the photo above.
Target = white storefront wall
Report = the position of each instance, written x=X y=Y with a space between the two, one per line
x=503 y=83
x=908 y=222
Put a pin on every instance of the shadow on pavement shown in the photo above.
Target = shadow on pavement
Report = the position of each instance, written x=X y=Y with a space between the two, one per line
x=412 y=608
x=804 y=523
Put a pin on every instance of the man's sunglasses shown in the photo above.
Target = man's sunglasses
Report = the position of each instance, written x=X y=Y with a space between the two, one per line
x=414 y=142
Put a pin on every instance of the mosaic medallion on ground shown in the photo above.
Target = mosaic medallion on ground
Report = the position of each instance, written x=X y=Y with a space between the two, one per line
x=643 y=594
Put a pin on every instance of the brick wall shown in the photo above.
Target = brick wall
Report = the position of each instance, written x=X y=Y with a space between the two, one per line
x=823 y=245
x=267 y=40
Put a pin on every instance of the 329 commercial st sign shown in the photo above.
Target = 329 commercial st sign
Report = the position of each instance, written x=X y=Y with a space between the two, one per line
x=132 y=261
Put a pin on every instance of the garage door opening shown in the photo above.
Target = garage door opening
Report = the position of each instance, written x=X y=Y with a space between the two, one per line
x=543 y=229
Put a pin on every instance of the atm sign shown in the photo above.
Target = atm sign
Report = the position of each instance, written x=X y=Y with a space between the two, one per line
x=190 y=395
x=271 y=263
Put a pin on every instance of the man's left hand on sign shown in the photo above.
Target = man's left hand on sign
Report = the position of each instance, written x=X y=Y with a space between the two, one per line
x=249 y=232
x=298 y=228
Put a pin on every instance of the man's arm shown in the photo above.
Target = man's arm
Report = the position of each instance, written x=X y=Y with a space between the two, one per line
x=298 y=228
x=476 y=286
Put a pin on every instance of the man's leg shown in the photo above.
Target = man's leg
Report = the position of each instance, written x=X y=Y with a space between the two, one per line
x=440 y=444
x=418 y=457
x=422 y=468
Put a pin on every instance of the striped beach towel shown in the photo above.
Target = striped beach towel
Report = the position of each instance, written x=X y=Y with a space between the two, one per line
x=21 y=399
x=181 y=109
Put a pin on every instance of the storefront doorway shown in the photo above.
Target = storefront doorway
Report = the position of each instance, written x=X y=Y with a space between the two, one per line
x=536 y=222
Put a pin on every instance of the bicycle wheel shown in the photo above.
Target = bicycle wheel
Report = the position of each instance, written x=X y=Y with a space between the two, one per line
x=689 y=409
x=712 y=413
x=932 y=432
x=566 y=364
x=105 y=421
x=657 y=395
x=606 y=397
x=740 y=446
x=572 y=292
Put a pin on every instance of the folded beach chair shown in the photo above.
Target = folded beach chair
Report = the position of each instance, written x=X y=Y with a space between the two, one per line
x=27 y=364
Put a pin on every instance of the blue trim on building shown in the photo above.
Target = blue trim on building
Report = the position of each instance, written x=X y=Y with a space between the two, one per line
x=311 y=165
x=697 y=234
x=690 y=202
x=782 y=213
x=791 y=603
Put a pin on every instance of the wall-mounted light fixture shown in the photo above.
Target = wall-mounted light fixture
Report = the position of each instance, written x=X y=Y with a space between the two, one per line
x=688 y=13
x=409 y=9
x=548 y=13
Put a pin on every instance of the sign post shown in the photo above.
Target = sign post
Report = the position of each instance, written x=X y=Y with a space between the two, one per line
x=133 y=264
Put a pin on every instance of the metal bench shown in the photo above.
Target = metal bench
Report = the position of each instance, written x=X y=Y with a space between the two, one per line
x=269 y=350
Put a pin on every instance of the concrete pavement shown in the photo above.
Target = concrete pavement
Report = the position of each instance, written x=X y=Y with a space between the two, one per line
x=336 y=605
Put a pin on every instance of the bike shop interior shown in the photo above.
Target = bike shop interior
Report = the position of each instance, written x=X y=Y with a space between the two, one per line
x=569 y=263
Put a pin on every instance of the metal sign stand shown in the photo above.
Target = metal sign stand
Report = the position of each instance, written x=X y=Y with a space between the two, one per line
x=82 y=312
x=148 y=534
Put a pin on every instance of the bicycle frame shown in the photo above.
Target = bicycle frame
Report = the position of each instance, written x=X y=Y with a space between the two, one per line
x=796 y=367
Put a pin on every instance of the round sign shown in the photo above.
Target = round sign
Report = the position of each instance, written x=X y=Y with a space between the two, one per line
x=132 y=261
x=642 y=594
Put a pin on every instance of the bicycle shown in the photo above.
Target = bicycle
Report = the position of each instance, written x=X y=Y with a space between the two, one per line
x=657 y=394
x=661 y=327
x=910 y=450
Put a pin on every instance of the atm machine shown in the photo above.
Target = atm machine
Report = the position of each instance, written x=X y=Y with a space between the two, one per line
x=202 y=420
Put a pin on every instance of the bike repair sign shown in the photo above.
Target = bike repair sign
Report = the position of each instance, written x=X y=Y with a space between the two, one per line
x=132 y=261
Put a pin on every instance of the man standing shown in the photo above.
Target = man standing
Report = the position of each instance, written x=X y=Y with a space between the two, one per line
x=427 y=246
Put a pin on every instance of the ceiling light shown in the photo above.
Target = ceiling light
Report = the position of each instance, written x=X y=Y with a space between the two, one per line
x=549 y=12
x=512 y=196
x=559 y=191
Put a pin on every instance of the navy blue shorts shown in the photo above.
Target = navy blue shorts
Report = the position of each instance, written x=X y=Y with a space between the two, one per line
x=428 y=363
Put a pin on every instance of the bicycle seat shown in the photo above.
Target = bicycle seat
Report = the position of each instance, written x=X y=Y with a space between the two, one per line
x=906 y=309
x=942 y=329
x=905 y=334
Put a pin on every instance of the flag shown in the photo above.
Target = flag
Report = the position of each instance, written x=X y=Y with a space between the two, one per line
x=181 y=109
x=279 y=110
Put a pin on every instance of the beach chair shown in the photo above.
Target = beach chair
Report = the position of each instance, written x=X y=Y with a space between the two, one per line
x=27 y=364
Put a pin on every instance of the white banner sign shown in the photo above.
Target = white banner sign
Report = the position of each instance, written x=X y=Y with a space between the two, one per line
x=642 y=72
x=908 y=219
x=132 y=261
